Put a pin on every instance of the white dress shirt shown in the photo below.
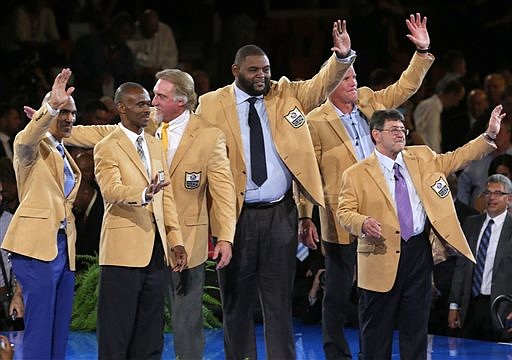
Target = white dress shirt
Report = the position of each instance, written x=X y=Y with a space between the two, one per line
x=418 y=212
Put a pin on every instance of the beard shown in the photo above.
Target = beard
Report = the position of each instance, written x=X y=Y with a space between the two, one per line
x=247 y=86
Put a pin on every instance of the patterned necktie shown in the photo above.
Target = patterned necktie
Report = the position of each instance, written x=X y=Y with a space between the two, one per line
x=478 y=270
x=258 y=160
x=69 y=178
x=403 y=204
x=302 y=251
x=140 y=150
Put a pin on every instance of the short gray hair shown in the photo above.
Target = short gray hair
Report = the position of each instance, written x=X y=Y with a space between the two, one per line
x=501 y=179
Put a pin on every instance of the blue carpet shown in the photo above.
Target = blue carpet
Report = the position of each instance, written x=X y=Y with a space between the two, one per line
x=308 y=343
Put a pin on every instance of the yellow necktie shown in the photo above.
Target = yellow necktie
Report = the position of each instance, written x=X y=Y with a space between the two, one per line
x=165 y=139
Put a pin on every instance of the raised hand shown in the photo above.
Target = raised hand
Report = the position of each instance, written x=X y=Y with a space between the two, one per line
x=340 y=39
x=419 y=33
x=495 y=121
x=59 y=95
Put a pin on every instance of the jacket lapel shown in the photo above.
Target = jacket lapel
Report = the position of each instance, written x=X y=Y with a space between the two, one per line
x=503 y=241
x=228 y=103
x=56 y=162
x=375 y=174
x=185 y=143
x=413 y=169
x=334 y=121
x=128 y=148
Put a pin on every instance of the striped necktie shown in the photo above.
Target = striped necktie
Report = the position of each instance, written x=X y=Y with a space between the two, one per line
x=478 y=271
x=140 y=151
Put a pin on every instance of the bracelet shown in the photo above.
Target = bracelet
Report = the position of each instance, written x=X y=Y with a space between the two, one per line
x=423 y=51
x=488 y=137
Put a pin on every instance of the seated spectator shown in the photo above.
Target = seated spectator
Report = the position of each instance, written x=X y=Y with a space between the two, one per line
x=9 y=191
x=454 y=62
x=153 y=46
x=380 y=79
x=101 y=61
x=494 y=86
x=94 y=112
x=10 y=124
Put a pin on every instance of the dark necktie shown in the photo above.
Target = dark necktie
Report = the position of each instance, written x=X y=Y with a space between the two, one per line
x=403 y=204
x=478 y=271
x=69 y=179
x=258 y=160
x=140 y=151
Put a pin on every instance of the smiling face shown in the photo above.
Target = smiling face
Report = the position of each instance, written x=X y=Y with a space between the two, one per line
x=252 y=75
x=61 y=127
x=496 y=198
x=134 y=109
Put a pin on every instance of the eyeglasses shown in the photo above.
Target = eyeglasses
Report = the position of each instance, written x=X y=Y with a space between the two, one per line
x=396 y=131
x=495 y=193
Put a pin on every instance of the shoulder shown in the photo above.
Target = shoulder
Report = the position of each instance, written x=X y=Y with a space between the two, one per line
x=213 y=95
x=319 y=112
x=110 y=138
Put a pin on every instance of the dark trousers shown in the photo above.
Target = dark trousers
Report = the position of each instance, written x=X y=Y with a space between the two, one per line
x=407 y=304
x=48 y=288
x=131 y=309
x=263 y=263
x=186 y=300
x=339 y=275
x=478 y=322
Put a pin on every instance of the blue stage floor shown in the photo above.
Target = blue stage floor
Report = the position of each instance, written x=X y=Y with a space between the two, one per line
x=308 y=342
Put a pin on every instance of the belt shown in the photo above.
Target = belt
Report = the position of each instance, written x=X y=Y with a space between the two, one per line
x=266 y=205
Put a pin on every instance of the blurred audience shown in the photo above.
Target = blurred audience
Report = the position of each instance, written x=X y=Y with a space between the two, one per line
x=153 y=46
x=101 y=61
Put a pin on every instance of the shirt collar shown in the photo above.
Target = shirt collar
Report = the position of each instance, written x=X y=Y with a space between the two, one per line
x=388 y=163
x=241 y=96
x=131 y=135
x=52 y=138
x=498 y=220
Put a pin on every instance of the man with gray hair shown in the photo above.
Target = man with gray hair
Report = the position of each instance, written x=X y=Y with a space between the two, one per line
x=205 y=197
x=475 y=286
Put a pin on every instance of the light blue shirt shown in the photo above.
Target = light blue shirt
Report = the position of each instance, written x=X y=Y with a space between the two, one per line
x=279 y=179
x=358 y=130
x=418 y=212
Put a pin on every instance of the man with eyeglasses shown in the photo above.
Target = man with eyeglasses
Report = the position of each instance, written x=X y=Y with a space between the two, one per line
x=341 y=137
x=390 y=201
x=41 y=235
x=475 y=286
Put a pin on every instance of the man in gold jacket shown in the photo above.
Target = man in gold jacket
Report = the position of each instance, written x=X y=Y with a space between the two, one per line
x=341 y=138
x=269 y=145
x=140 y=234
x=205 y=197
x=42 y=235
x=390 y=201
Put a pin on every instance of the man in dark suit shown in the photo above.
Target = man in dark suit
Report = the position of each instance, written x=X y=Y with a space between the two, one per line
x=474 y=286
x=404 y=190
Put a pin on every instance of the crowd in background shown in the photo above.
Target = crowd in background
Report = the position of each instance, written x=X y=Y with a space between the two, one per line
x=106 y=43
